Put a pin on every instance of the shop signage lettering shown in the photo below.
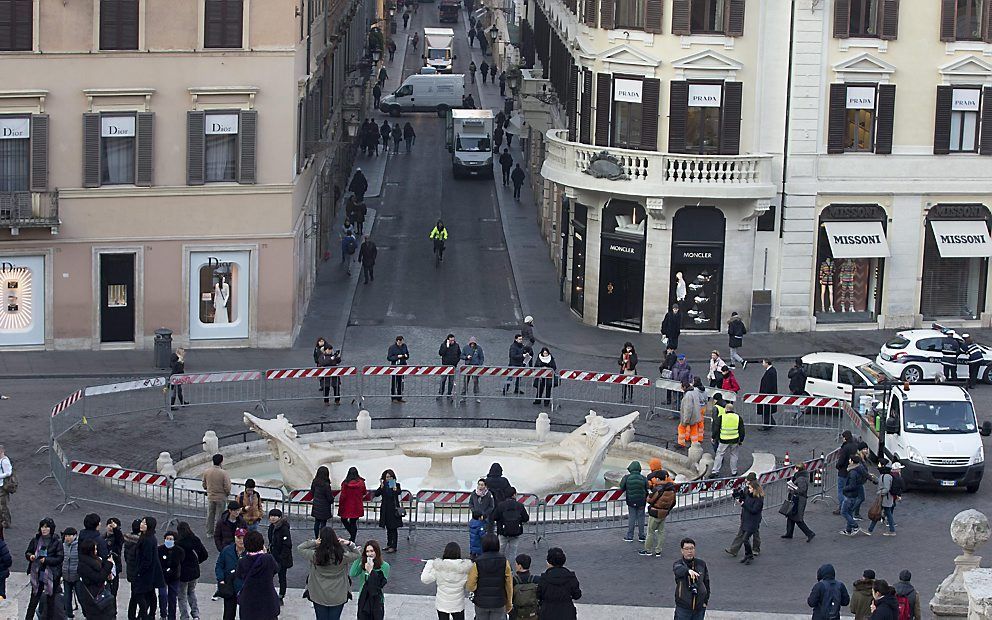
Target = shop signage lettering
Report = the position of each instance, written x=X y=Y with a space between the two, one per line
x=853 y=212
x=971 y=212
x=213 y=261
x=5 y=266
x=968 y=239
x=857 y=239
x=222 y=124
x=117 y=126
x=965 y=99
x=860 y=97
x=627 y=90
x=15 y=128
x=698 y=256
x=705 y=95
x=623 y=249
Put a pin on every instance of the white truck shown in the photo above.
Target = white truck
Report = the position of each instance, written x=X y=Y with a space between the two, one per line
x=469 y=137
x=425 y=93
x=438 y=48
x=931 y=429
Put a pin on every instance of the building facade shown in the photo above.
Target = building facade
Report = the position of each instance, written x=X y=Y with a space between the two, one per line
x=170 y=164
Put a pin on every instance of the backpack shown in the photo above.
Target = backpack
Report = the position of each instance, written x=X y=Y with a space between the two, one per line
x=10 y=482
x=831 y=603
x=525 y=598
x=349 y=245
x=510 y=521
x=905 y=608
x=898 y=486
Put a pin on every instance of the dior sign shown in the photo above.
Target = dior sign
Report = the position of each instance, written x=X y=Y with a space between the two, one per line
x=117 y=127
x=15 y=128
x=221 y=124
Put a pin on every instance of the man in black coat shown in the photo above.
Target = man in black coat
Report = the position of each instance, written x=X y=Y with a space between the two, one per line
x=359 y=185
x=506 y=162
x=692 y=582
x=177 y=366
x=497 y=483
x=519 y=351
x=280 y=546
x=376 y=95
x=736 y=332
x=397 y=355
x=230 y=522
x=450 y=353
x=384 y=132
x=768 y=385
x=797 y=383
x=671 y=327
x=517 y=176
x=366 y=256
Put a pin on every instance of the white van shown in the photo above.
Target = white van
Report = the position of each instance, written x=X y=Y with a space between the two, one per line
x=426 y=93
x=933 y=432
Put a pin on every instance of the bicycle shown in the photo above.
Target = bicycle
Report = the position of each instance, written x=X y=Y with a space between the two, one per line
x=438 y=252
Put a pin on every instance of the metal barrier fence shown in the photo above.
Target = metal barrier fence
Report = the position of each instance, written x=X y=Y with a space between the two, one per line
x=602 y=388
x=407 y=381
x=501 y=382
x=343 y=384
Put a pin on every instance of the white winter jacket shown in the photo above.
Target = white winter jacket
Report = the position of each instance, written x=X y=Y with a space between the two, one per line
x=450 y=576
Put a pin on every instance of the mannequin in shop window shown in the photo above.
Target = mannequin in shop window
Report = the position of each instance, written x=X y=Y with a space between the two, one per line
x=680 y=288
x=222 y=295
x=826 y=278
x=848 y=271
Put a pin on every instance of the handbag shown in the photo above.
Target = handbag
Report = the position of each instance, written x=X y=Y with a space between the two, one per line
x=875 y=512
x=103 y=599
x=789 y=506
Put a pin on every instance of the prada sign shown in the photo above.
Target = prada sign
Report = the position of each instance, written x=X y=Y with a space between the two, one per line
x=624 y=248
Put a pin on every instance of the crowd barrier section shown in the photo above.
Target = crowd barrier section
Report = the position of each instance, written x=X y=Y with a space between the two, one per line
x=668 y=396
x=406 y=381
x=299 y=502
x=307 y=384
x=579 y=511
x=500 y=382
x=142 y=491
x=217 y=388
x=791 y=411
x=446 y=510
x=115 y=399
x=604 y=388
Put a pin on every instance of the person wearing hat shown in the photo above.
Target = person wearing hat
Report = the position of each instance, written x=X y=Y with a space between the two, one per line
x=861 y=599
x=359 y=185
x=230 y=521
x=527 y=330
x=472 y=355
x=905 y=589
x=975 y=360
x=828 y=595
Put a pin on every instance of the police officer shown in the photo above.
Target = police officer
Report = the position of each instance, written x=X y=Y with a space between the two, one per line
x=728 y=431
x=949 y=358
x=975 y=359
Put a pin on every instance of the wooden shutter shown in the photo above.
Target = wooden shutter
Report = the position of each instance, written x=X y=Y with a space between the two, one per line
x=889 y=20
x=987 y=21
x=885 y=109
x=223 y=23
x=942 y=121
x=681 y=13
x=842 y=19
x=39 y=152
x=16 y=23
x=247 y=138
x=948 y=20
x=678 y=112
x=196 y=129
x=650 y=111
x=653 y=13
x=604 y=101
x=91 y=149
x=837 y=118
x=735 y=18
x=144 y=148
x=585 y=115
x=730 y=128
x=118 y=24
x=570 y=104
x=589 y=12
x=607 y=14
x=985 y=137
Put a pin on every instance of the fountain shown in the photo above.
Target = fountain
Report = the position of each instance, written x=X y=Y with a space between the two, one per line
x=441 y=474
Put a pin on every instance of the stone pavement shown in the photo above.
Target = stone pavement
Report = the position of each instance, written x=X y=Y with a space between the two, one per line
x=404 y=606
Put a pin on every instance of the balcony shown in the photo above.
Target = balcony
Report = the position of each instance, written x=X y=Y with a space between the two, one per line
x=652 y=173
x=29 y=210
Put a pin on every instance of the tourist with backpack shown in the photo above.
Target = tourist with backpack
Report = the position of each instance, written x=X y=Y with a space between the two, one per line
x=659 y=503
x=636 y=487
x=558 y=588
x=481 y=503
x=828 y=596
x=885 y=605
x=525 y=603
x=450 y=573
x=491 y=579
x=907 y=598
x=861 y=598
x=883 y=503
x=509 y=517
x=348 y=247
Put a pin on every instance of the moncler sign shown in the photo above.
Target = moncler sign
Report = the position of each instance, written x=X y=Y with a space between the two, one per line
x=15 y=128
x=623 y=249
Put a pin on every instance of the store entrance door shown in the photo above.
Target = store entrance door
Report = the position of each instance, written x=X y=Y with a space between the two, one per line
x=117 y=298
x=621 y=292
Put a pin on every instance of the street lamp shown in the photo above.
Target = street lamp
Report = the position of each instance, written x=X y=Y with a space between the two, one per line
x=513 y=79
x=493 y=32
x=351 y=125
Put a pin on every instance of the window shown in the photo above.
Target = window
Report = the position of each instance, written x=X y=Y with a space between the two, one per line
x=221 y=155
x=14 y=153
x=930 y=344
x=860 y=125
x=820 y=370
x=724 y=17
x=16 y=25
x=864 y=18
x=220 y=147
x=702 y=134
x=705 y=117
x=118 y=24
x=861 y=118
x=223 y=23
x=964 y=20
x=117 y=150
x=962 y=120
x=630 y=14
x=848 y=376
x=627 y=124
x=707 y=16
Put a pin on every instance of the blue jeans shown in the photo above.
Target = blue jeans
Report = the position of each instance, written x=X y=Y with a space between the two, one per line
x=684 y=613
x=635 y=516
x=168 y=600
x=889 y=519
x=323 y=612
x=847 y=509
x=861 y=500
x=841 y=481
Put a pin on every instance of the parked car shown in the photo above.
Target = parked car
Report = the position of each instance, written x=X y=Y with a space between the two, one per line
x=836 y=375
x=915 y=354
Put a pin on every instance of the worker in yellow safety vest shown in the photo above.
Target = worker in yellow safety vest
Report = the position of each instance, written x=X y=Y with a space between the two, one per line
x=728 y=433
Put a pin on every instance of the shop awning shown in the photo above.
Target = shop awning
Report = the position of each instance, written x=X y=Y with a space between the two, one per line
x=857 y=239
x=962 y=239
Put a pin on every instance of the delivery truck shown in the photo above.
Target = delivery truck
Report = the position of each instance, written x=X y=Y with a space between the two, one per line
x=448 y=11
x=426 y=93
x=438 y=50
x=469 y=137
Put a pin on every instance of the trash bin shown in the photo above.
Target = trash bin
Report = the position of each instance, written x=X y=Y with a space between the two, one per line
x=163 y=347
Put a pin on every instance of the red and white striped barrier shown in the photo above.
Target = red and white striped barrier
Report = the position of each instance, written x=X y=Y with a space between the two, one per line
x=216 y=377
x=603 y=377
x=433 y=496
x=119 y=474
x=797 y=401
x=311 y=373
x=583 y=497
x=508 y=371
x=406 y=371
x=305 y=496
x=66 y=402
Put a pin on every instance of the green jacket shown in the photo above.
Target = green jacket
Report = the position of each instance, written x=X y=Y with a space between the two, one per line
x=635 y=485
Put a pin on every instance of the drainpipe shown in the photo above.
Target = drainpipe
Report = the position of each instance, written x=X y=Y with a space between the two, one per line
x=788 y=110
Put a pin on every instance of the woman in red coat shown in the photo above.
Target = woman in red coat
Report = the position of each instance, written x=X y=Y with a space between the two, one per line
x=351 y=502
x=729 y=383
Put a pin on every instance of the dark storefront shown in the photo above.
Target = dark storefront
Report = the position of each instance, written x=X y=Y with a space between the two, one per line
x=621 y=265
x=955 y=262
x=697 y=266
x=578 y=288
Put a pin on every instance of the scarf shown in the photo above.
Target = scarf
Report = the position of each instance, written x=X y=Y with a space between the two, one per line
x=481 y=493
x=41 y=577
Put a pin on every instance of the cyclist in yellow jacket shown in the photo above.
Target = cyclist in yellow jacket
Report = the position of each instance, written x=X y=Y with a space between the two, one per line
x=439 y=235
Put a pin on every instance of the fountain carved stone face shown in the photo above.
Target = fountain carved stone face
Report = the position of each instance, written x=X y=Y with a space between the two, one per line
x=297 y=461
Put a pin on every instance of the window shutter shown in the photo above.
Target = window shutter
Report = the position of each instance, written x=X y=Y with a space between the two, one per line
x=890 y=20
x=247 y=138
x=681 y=12
x=607 y=12
x=109 y=32
x=730 y=128
x=589 y=13
x=128 y=25
x=223 y=23
x=987 y=19
x=735 y=18
x=985 y=139
x=604 y=100
x=118 y=24
x=650 y=110
x=942 y=121
x=885 y=111
x=16 y=21
x=585 y=114
x=653 y=13
x=233 y=23
x=144 y=149
x=678 y=111
x=196 y=128
x=212 y=23
x=842 y=19
x=837 y=118
x=91 y=149
x=573 y=96
x=948 y=22
x=39 y=152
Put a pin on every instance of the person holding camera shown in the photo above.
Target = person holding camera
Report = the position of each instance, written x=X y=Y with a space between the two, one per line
x=751 y=498
x=692 y=583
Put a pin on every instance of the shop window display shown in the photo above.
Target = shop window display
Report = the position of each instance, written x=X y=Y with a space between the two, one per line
x=697 y=266
x=219 y=294
x=215 y=293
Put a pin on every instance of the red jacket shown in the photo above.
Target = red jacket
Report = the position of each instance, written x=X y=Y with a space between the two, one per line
x=351 y=501
x=730 y=384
